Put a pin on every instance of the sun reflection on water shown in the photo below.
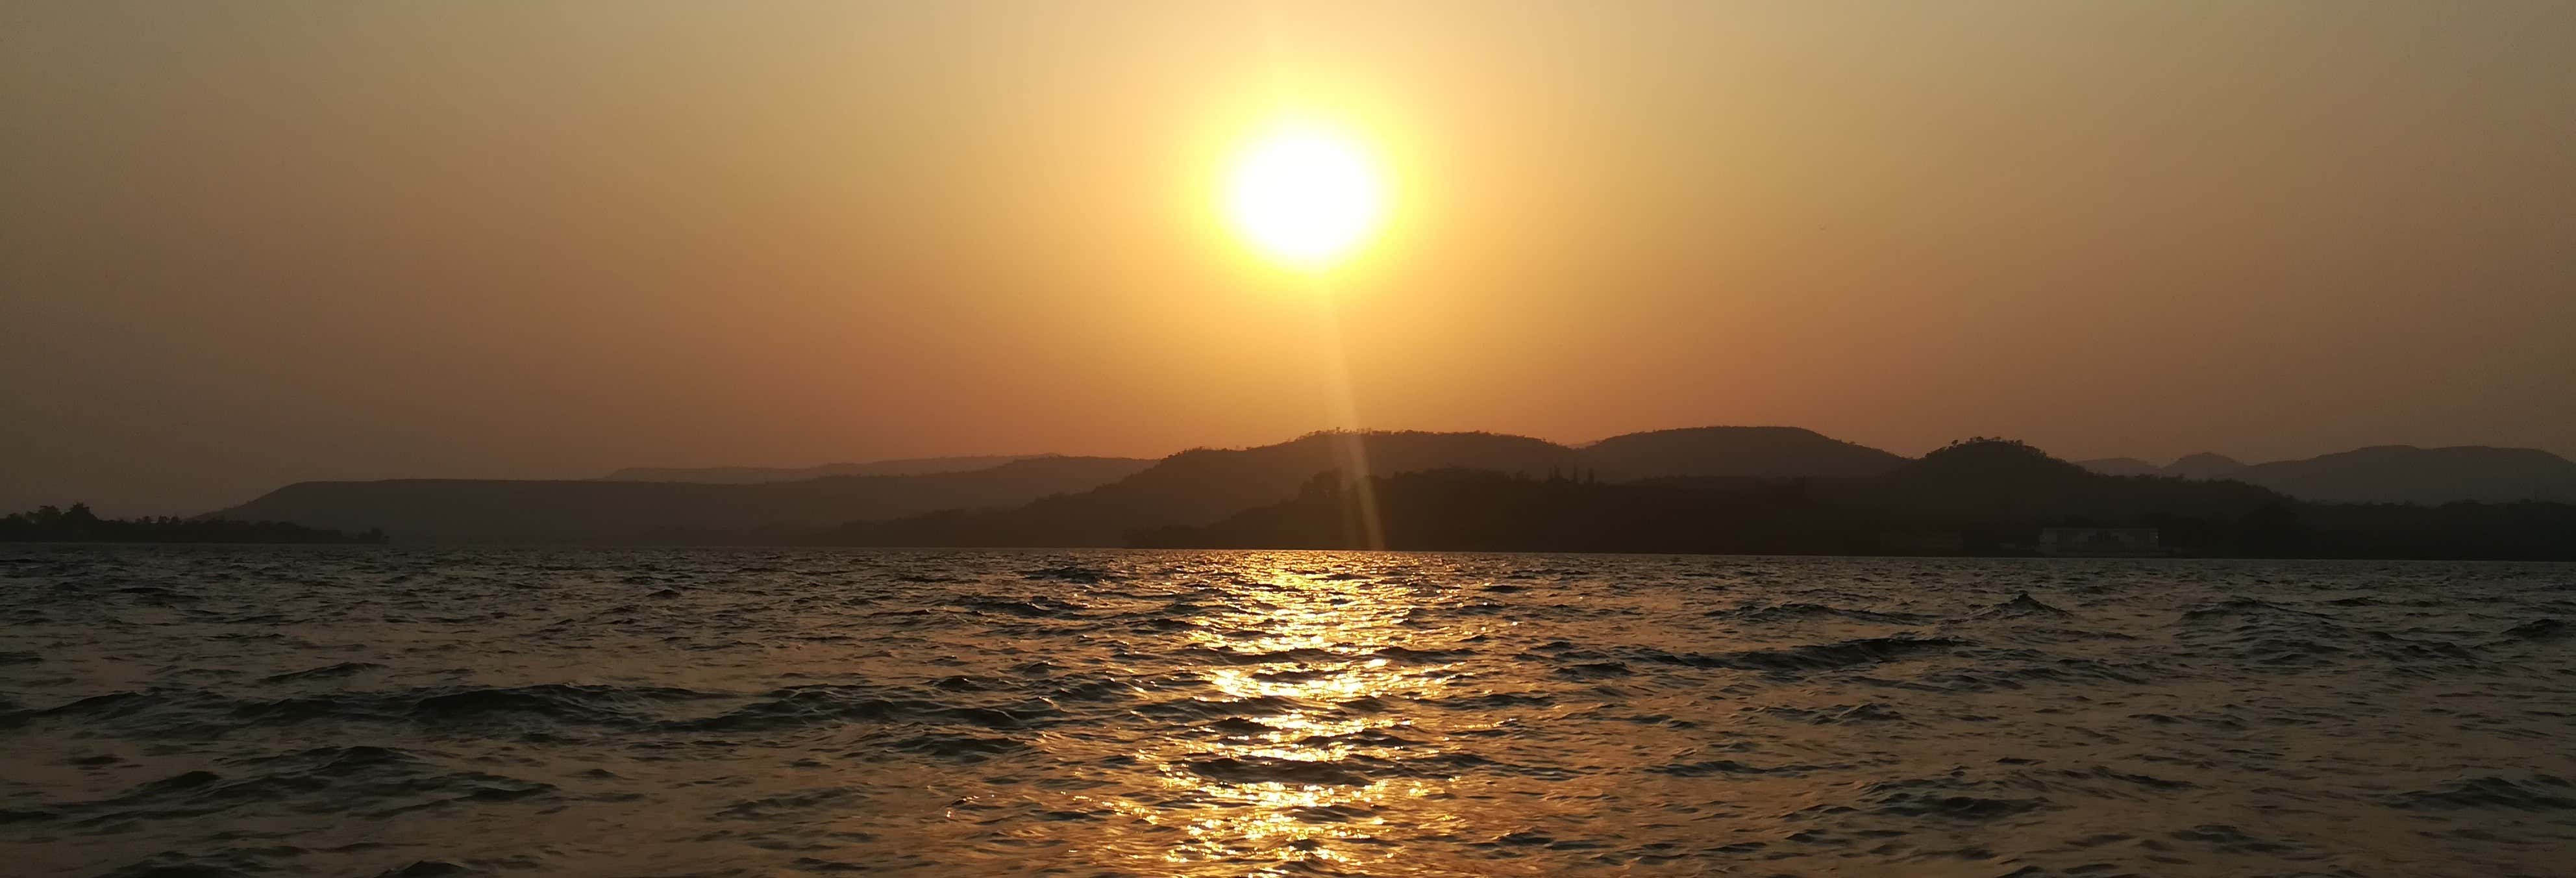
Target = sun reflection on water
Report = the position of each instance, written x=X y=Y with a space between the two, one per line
x=1301 y=662
x=1300 y=713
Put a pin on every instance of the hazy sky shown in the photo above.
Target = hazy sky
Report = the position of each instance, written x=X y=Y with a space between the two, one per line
x=243 y=244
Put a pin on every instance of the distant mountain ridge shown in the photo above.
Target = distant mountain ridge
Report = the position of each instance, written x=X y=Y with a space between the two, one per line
x=594 y=511
x=1978 y=497
x=750 y=475
x=1016 y=502
x=1732 y=452
x=2122 y=466
x=1069 y=501
x=1202 y=485
x=2384 y=474
x=2407 y=474
x=2205 y=465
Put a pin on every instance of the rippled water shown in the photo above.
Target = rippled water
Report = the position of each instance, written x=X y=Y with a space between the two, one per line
x=317 y=711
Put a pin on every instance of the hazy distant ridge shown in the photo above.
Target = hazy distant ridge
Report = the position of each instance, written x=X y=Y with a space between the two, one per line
x=749 y=475
x=2384 y=474
x=2407 y=474
x=1733 y=452
x=582 y=511
x=1069 y=501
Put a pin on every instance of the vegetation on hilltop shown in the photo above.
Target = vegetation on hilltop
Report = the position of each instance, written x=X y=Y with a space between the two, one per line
x=47 y=524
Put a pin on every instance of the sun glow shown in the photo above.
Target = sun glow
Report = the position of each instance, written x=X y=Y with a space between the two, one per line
x=1306 y=195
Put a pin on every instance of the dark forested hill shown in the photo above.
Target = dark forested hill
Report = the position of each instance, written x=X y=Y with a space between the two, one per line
x=2005 y=479
x=1983 y=496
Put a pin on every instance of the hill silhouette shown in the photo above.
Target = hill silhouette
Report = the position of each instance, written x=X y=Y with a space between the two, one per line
x=2384 y=474
x=1202 y=485
x=1732 y=452
x=750 y=475
x=2205 y=465
x=2015 y=482
x=2407 y=474
x=1976 y=493
x=1982 y=496
x=2121 y=466
x=593 y=511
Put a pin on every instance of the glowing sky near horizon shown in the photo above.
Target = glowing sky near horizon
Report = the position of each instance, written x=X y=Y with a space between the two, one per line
x=250 y=243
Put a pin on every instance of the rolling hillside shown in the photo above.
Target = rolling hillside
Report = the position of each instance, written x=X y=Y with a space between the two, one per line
x=1201 y=486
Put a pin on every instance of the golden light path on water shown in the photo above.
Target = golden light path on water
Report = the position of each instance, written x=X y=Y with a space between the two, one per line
x=1342 y=632
x=1352 y=621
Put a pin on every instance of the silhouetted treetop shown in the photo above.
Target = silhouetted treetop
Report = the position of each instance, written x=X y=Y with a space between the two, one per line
x=46 y=524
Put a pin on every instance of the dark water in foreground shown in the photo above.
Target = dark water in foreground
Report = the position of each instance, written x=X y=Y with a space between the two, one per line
x=317 y=711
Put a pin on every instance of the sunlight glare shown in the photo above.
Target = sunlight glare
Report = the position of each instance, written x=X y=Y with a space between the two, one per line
x=1306 y=195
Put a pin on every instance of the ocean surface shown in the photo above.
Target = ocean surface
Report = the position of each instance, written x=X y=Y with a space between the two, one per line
x=356 y=711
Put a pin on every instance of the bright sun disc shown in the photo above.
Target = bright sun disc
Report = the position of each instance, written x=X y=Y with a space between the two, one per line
x=1306 y=196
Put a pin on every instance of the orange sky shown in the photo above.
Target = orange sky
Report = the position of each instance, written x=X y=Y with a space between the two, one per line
x=243 y=244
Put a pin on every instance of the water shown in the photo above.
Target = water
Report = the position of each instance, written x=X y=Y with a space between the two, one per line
x=359 y=711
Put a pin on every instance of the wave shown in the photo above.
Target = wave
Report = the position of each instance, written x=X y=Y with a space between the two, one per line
x=342 y=669
x=1261 y=769
x=2021 y=606
x=1705 y=768
x=1947 y=799
x=1816 y=657
x=2243 y=607
x=1224 y=655
x=1028 y=608
x=831 y=704
x=1073 y=574
x=2537 y=792
x=2547 y=630
x=368 y=781
x=1802 y=611
x=1840 y=714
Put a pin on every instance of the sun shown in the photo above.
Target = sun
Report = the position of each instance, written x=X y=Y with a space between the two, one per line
x=1306 y=195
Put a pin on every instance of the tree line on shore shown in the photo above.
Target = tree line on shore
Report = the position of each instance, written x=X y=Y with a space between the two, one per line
x=77 y=524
